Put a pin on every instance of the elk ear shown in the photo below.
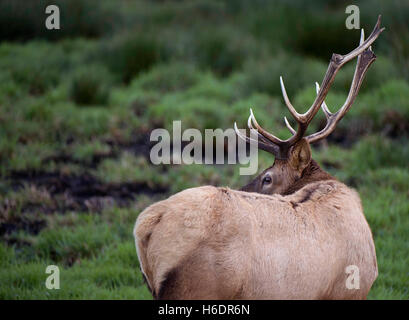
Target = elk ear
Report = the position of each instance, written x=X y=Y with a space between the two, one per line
x=300 y=155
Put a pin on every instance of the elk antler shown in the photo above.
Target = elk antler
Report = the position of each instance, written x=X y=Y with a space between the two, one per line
x=280 y=148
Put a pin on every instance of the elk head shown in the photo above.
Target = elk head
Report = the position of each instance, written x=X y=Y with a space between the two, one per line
x=293 y=167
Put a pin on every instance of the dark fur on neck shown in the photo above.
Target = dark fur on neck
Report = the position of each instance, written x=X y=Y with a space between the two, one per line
x=312 y=173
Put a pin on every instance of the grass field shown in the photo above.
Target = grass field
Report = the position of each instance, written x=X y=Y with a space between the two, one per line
x=77 y=107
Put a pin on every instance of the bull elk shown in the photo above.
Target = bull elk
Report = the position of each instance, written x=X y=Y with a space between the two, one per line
x=289 y=234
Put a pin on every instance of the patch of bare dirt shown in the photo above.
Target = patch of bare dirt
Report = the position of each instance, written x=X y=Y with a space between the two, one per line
x=92 y=163
x=82 y=188
x=63 y=193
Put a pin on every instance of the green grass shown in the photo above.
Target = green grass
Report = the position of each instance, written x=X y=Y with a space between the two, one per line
x=76 y=109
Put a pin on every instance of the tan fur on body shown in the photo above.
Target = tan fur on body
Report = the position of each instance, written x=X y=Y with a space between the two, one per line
x=226 y=244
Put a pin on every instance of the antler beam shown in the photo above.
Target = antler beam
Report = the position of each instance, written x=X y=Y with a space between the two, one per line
x=281 y=147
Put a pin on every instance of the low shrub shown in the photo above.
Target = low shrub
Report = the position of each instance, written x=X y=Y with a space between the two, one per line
x=129 y=54
x=224 y=50
x=168 y=77
x=35 y=67
x=90 y=85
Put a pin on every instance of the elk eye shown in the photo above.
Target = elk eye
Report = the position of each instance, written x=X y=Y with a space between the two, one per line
x=267 y=180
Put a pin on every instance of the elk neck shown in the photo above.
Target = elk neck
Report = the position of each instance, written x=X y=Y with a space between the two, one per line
x=312 y=173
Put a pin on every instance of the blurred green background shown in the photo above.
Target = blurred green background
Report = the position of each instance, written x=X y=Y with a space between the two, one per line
x=77 y=106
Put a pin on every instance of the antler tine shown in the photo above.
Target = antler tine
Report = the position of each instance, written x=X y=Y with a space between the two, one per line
x=367 y=43
x=323 y=106
x=362 y=65
x=264 y=146
x=288 y=125
x=254 y=131
x=290 y=107
x=266 y=134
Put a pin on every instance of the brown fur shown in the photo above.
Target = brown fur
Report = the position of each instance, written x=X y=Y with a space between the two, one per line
x=291 y=174
x=312 y=173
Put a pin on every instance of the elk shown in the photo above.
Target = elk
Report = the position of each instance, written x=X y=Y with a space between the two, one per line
x=291 y=233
